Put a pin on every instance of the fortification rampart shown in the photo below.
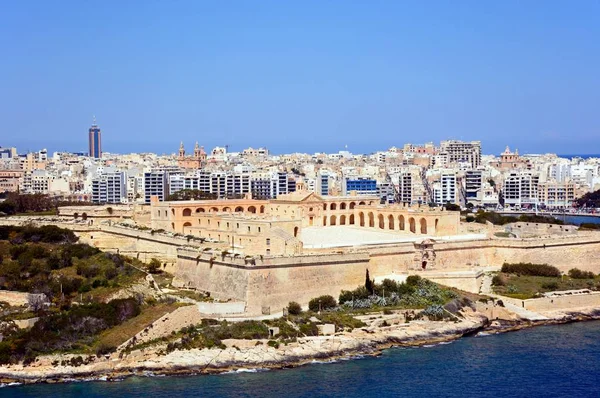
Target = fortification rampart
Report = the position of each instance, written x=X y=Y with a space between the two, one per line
x=270 y=284
x=273 y=282
x=557 y=303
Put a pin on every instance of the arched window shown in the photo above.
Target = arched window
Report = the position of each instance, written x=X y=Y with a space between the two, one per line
x=390 y=222
x=423 y=223
x=252 y=209
x=343 y=206
x=401 y=223
x=200 y=210
x=295 y=232
x=411 y=224
x=342 y=220
x=187 y=212
x=352 y=205
x=371 y=220
x=333 y=206
x=361 y=219
x=239 y=209
x=381 y=221
x=332 y=220
x=351 y=222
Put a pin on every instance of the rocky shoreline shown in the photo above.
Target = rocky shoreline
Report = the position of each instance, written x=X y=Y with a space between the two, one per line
x=250 y=354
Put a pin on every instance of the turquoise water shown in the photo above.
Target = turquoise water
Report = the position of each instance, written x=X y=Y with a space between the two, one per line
x=551 y=361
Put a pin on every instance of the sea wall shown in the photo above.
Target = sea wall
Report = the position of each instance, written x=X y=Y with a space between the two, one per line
x=557 y=303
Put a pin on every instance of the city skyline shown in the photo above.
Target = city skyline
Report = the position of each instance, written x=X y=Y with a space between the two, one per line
x=301 y=78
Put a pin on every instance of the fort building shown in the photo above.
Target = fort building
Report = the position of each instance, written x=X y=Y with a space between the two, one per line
x=284 y=225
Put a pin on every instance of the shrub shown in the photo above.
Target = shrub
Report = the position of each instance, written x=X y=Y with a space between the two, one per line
x=550 y=285
x=498 y=280
x=294 y=308
x=413 y=280
x=470 y=219
x=531 y=269
x=111 y=272
x=89 y=271
x=104 y=349
x=323 y=302
x=154 y=266
x=576 y=273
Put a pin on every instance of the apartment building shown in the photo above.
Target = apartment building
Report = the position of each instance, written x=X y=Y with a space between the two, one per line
x=110 y=188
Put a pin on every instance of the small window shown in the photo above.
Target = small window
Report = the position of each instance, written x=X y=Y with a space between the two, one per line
x=268 y=242
x=268 y=252
x=258 y=229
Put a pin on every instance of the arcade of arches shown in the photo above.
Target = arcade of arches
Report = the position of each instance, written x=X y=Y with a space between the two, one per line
x=306 y=209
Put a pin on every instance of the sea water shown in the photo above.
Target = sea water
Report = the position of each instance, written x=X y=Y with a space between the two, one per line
x=549 y=361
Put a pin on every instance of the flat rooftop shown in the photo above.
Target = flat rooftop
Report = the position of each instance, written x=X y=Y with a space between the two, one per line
x=343 y=236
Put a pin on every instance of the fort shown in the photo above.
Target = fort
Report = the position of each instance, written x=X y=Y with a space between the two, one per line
x=265 y=254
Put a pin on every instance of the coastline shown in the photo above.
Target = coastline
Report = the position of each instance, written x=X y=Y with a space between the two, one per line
x=252 y=356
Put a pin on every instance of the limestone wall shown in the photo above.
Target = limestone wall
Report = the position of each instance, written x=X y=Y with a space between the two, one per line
x=16 y=299
x=273 y=282
x=558 y=303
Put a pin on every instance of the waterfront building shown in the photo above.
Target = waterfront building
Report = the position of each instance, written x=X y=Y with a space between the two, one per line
x=521 y=189
x=473 y=184
x=555 y=194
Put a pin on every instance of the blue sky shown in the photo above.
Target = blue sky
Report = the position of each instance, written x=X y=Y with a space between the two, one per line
x=300 y=76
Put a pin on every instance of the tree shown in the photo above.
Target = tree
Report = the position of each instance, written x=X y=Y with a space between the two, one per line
x=294 y=308
x=368 y=283
x=451 y=206
x=322 y=303
x=154 y=266
x=191 y=194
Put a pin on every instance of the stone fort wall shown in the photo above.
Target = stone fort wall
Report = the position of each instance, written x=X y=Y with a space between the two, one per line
x=273 y=282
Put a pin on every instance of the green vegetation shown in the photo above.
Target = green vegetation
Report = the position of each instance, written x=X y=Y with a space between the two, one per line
x=48 y=260
x=322 y=303
x=531 y=269
x=526 y=281
x=483 y=216
x=576 y=273
x=67 y=330
x=119 y=334
x=191 y=194
x=294 y=308
x=451 y=207
x=33 y=204
x=208 y=334
x=590 y=199
x=589 y=226
x=416 y=292
x=78 y=281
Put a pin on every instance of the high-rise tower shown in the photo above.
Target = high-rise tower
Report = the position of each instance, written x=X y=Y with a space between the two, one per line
x=95 y=141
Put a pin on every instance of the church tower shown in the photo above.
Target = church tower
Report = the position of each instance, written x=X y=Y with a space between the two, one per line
x=181 y=151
